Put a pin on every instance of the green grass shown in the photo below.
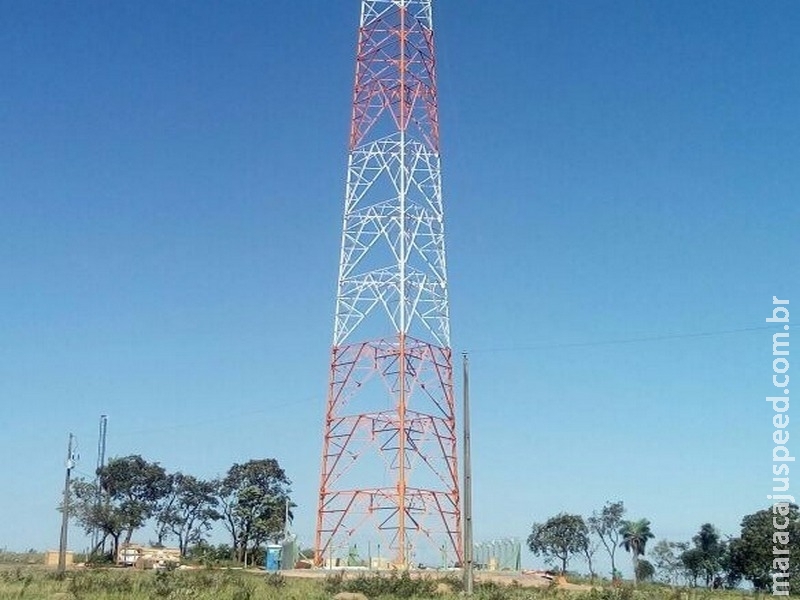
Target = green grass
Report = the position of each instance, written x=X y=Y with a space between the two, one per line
x=31 y=557
x=21 y=582
x=116 y=584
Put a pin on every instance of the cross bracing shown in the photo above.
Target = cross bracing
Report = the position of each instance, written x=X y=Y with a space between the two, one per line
x=389 y=448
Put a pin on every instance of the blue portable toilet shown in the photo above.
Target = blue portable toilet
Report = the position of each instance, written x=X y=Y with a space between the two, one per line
x=272 y=559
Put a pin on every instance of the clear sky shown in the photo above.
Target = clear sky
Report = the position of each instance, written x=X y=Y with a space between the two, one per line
x=171 y=189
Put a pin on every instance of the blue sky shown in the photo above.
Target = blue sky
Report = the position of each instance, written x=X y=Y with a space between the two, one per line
x=171 y=188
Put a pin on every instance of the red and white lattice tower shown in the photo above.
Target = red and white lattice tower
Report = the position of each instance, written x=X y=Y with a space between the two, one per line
x=389 y=467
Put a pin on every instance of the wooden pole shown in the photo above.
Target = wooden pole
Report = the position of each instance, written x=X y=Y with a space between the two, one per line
x=62 y=546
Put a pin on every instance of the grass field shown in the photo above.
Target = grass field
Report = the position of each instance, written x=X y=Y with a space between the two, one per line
x=206 y=584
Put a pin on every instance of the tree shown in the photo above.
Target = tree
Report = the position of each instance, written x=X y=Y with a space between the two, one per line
x=253 y=498
x=93 y=515
x=589 y=549
x=635 y=535
x=667 y=560
x=730 y=568
x=707 y=557
x=751 y=554
x=130 y=489
x=644 y=570
x=189 y=510
x=207 y=554
x=559 y=538
x=136 y=487
x=606 y=524
x=692 y=560
x=163 y=512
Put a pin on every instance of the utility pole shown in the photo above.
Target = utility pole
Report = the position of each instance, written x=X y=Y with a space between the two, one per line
x=468 y=562
x=62 y=546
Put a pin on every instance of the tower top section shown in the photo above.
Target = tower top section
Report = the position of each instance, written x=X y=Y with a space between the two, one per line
x=395 y=86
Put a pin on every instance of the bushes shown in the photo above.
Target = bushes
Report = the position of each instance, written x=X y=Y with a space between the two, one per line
x=201 y=584
x=375 y=586
x=403 y=586
x=87 y=584
x=613 y=593
x=208 y=584
x=31 y=557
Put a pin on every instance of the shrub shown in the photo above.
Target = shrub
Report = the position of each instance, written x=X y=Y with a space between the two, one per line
x=333 y=583
x=275 y=580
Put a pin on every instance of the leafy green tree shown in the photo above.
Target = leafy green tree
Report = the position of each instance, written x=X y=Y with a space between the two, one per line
x=129 y=492
x=635 y=535
x=589 y=549
x=667 y=560
x=189 y=510
x=692 y=560
x=135 y=487
x=606 y=525
x=730 y=569
x=751 y=554
x=92 y=513
x=207 y=554
x=559 y=538
x=162 y=515
x=645 y=571
x=707 y=557
x=253 y=498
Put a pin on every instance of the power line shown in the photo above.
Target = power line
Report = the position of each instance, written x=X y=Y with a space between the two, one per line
x=485 y=350
x=653 y=338
x=216 y=419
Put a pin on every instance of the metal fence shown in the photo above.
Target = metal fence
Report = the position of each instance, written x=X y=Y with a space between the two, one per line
x=499 y=555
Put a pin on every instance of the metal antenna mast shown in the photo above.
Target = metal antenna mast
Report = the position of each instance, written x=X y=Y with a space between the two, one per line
x=101 y=462
x=389 y=459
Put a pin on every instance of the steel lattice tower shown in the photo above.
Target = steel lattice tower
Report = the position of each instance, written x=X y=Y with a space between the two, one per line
x=389 y=461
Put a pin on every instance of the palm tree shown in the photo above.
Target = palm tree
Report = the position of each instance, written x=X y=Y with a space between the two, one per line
x=634 y=539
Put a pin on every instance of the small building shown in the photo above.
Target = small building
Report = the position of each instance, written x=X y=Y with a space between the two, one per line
x=51 y=558
x=146 y=557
